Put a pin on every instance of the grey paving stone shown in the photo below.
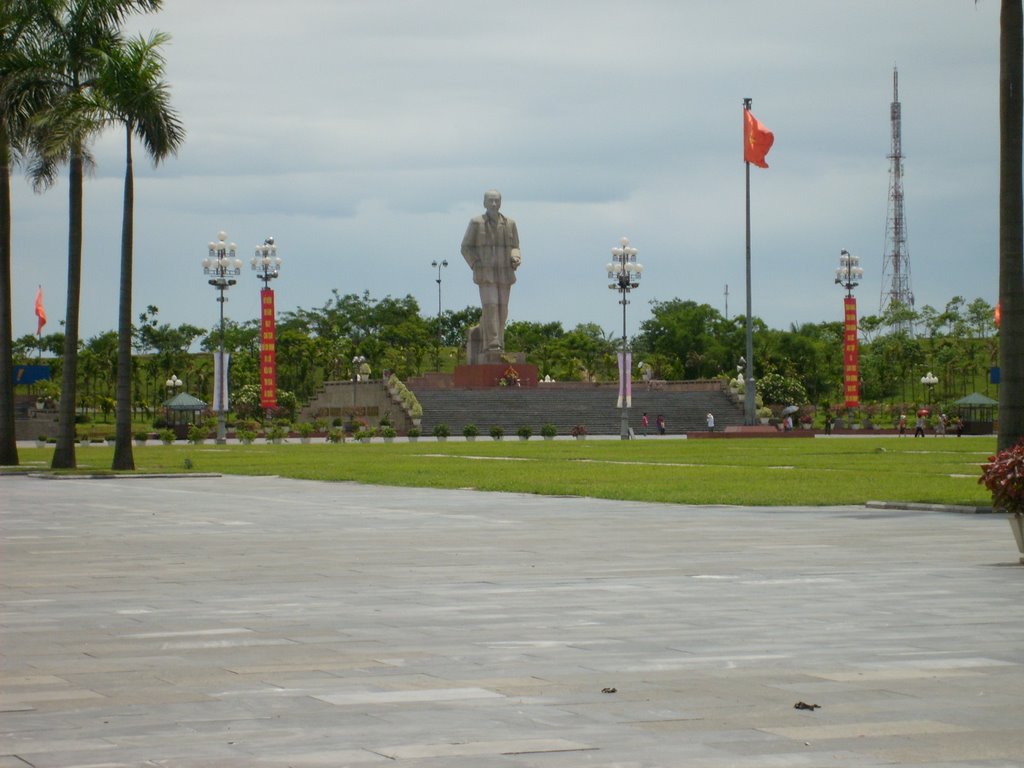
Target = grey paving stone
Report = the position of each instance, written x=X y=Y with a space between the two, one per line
x=269 y=622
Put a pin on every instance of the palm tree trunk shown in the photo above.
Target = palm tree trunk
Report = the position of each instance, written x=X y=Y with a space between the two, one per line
x=8 y=440
x=123 y=458
x=64 y=454
x=1011 y=232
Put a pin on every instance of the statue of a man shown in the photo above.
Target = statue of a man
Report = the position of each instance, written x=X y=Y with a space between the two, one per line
x=491 y=248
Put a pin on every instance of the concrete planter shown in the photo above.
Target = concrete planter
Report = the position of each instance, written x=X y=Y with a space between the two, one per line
x=1017 y=526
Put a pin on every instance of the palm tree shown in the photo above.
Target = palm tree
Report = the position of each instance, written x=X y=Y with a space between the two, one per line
x=1011 y=231
x=19 y=101
x=80 y=29
x=131 y=91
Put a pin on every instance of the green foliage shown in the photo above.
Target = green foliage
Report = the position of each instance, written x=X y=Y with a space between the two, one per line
x=196 y=433
x=470 y=430
x=1003 y=476
x=525 y=432
x=441 y=430
x=497 y=432
x=781 y=390
x=548 y=430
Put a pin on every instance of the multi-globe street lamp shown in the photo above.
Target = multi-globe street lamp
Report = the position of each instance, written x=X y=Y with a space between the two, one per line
x=929 y=380
x=173 y=384
x=849 y=272
x=266 y=263
x=625 y=272
x=437 y=355
x=222 y=265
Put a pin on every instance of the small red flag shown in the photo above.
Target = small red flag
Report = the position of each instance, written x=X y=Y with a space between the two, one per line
x=40 y=312
x=757 y=140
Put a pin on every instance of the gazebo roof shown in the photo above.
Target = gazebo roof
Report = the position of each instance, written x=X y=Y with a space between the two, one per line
x=976 y=399
x=183 y=401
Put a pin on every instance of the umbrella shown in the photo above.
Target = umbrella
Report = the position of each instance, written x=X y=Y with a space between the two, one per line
x=790 y=409
x=923 y=412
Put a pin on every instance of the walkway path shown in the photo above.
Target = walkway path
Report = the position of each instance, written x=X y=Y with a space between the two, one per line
x=244 y=622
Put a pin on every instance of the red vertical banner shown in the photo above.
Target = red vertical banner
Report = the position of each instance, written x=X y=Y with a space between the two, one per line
x=268 y=350
x=851 y=374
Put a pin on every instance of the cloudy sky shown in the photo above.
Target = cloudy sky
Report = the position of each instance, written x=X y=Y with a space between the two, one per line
x=362 y=134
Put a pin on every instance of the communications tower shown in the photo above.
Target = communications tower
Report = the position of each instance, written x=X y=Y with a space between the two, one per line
x=896 y=259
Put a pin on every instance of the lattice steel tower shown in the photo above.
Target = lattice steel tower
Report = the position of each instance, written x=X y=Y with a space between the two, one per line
x=896 y=260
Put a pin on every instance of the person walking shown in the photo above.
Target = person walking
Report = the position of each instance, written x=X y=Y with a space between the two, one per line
x=903 y=425
x=660 y=421
x=919 y=426
x=711 y=421
x=644 y=424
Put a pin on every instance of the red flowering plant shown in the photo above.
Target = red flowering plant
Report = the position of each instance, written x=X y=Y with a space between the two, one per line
x=1004 y=478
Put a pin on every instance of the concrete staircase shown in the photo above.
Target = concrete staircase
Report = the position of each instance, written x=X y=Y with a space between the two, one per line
x=593 y=406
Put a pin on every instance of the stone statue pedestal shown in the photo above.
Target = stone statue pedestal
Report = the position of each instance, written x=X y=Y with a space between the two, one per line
x=488 y=375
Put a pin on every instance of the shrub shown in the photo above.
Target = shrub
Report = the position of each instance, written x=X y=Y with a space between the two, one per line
x=142 y=435
x=549 y=430
x=245 y=435
x=335 y=436
x=166 y=436
x=414 y=432
x=525 y=432
x=470 y=430
x=497 y=432
x=579 y=430
x=196 y=433
x=388 y=432
x=441 y=430
x=1004 y=478
x=304 y=428
x=276 y=432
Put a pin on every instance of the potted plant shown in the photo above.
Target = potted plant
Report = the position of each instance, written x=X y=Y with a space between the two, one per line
x=166 y=436
x=276 y=433
x=305 y=430
x=246 y=436
x=413 y=434
x=364 y=435
x=524 y=433
x=579 y=431
x=497 y=432
x=469 y=431
x=196 y=434
x=548 y=431
x=388 y=433
x=764 y=413
x=40 y=441
x=335 y=435
x=141 y=438
x=441 y=432
x=1004 y=478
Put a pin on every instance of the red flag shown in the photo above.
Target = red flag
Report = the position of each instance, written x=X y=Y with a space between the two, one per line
x=757 y=140
x=40 y=312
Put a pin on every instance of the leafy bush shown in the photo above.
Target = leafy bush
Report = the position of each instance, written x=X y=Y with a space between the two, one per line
x=335 y=436
x=196 y=433
x=497 y=432
x=1004 y=478
x=166 y=436
x=579 y=430
x=414 y=432
x=441 y=430
x=524 y=432
x=470 y=430
x=388 y=432
x=549 y=430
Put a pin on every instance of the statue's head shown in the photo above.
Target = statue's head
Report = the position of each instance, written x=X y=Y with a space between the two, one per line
x=492 y=201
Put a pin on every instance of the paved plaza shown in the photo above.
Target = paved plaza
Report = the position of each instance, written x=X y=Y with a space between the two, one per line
x=239 y=621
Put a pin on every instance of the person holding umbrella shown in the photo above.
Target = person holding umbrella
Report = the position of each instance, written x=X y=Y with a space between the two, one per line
x=919 y=425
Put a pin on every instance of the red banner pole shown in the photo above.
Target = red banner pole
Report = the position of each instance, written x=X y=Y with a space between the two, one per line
x=268 y=350
x=851 y=373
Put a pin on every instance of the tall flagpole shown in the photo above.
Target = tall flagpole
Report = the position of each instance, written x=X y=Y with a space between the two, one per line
x=749 y=402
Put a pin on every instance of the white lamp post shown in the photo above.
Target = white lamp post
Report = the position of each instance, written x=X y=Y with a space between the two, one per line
x=849 y=272
x=223 y=266
x=929 y=380
x=266 y=263
x=625 y=272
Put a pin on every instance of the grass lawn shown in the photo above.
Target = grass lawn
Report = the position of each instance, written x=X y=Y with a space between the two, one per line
x=749 y=471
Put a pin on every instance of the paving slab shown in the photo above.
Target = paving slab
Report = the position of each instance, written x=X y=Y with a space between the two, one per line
x=260 y=621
